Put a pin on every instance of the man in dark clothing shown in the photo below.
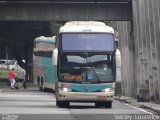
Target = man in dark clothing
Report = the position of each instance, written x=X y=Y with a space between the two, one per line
x=22 y=75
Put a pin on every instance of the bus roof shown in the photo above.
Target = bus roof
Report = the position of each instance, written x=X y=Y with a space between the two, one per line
x=86 y=26
x=45 y=39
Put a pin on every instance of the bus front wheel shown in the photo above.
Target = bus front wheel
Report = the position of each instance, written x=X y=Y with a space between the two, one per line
x=99 y=104
x=108 y=104
x=57 y=103
x=62 y=104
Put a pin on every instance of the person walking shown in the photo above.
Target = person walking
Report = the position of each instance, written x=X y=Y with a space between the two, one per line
x=22 y=77
x=11 y=77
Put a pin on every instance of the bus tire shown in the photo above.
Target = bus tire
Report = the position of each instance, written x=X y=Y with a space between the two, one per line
x=63 y=104
x=42 y=84
x=108 y=104
x=39 y=82
x=99 y=104
x=45 y=89
x=57 y=103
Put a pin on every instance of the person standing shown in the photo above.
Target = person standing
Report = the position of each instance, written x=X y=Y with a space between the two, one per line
x=22 y=77
x=11 y=77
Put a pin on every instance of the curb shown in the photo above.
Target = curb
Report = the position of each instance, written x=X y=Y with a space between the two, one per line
x=122 y=100
x=150 y=108
x=140 y=106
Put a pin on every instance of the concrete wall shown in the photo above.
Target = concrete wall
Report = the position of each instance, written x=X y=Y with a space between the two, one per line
x=141 y=53
x=126 y=48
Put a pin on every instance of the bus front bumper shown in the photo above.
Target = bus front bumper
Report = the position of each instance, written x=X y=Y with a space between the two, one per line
x=85 y=96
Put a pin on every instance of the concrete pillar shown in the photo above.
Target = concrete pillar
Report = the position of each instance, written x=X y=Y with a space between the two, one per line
x=158 y=45
x=125 y=45
x=155 y=9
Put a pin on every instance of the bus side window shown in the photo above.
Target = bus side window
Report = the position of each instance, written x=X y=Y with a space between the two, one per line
x=49 y=54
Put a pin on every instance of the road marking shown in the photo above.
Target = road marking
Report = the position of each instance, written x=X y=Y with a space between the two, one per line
x=139 y=108
x=135 y=107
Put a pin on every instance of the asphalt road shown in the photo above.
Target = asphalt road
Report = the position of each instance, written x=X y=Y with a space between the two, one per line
x=32 y=104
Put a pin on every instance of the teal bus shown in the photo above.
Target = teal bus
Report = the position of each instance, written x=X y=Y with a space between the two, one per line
x=43 y=69
x=87 y=64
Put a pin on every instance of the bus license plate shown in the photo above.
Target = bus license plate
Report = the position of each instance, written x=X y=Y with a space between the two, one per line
x=101 y=97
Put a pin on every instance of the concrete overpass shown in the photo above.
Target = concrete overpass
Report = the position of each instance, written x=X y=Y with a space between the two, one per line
x=64 y=10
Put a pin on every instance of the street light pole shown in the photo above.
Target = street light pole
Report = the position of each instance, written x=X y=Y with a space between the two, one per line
x=7 y=56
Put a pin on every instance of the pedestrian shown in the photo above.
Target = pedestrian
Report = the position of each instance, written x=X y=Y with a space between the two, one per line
x=22 y=77
x=11 y=77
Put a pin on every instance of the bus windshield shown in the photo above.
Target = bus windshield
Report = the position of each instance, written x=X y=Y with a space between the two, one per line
x=86 y=67
x=43 y=49
x=87 y=41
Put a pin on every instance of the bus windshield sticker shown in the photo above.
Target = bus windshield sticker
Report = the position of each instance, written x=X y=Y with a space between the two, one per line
x=89 y=76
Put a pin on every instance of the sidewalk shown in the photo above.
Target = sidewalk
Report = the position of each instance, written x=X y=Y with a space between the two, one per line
x=146 y=105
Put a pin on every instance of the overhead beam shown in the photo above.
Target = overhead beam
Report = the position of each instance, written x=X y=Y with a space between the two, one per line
x=62 y=1
x=65 y=12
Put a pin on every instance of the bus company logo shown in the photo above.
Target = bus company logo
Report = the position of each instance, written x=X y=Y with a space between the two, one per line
x=84 y=36
x=9 y=117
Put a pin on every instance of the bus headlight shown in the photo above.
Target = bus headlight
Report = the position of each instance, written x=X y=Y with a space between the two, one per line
x=107 y=90
x=66 y=89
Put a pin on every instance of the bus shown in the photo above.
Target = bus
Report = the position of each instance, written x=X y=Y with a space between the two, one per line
x=43 y=69
x=86 y=60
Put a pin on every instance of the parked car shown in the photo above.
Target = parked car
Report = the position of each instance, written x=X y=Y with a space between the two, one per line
x=14 y=64
x=3 y=63
x=11 y=64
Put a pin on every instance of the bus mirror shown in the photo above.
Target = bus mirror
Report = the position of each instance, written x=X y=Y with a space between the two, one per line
x=55 y=56
x=118 y=59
